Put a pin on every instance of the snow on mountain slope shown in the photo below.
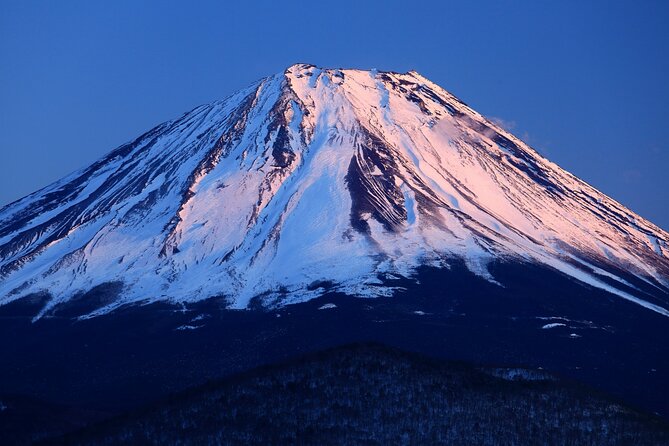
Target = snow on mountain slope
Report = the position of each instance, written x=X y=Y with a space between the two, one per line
x=312 y=177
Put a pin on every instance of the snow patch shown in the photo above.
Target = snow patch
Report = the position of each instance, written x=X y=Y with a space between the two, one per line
x=516 y=374
x=553 y=325
x=188 y=327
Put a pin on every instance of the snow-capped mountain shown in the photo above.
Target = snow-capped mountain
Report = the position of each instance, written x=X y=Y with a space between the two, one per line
x=320 y=178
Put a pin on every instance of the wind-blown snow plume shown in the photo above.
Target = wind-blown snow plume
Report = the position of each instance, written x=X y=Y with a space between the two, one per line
x=312 y=177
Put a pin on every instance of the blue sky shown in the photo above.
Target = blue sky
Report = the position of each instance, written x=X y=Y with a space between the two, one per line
x=585 y=83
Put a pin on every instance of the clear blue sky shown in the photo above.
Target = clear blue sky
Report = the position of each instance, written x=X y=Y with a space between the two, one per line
x=584 y=82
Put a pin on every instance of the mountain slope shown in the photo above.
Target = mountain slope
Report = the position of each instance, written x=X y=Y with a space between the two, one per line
x=314 y=179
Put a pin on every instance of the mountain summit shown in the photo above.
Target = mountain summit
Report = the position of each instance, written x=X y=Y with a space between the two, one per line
x=316 y=179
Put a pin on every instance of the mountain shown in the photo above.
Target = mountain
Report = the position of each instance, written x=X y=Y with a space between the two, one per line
x=313 y=209
x=318 y=179
x=370 y=394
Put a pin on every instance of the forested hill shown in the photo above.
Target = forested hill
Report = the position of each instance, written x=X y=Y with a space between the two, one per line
x=374 y=395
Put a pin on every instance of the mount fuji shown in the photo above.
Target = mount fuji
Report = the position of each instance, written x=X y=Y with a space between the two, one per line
x=312 y=180
x=318 y=208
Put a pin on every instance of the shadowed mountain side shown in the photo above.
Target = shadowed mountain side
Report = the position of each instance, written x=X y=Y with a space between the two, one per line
x=139 y=353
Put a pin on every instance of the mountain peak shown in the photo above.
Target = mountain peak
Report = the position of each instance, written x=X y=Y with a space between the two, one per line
x=299 y=67
x=342 y=177
x=307 y=69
